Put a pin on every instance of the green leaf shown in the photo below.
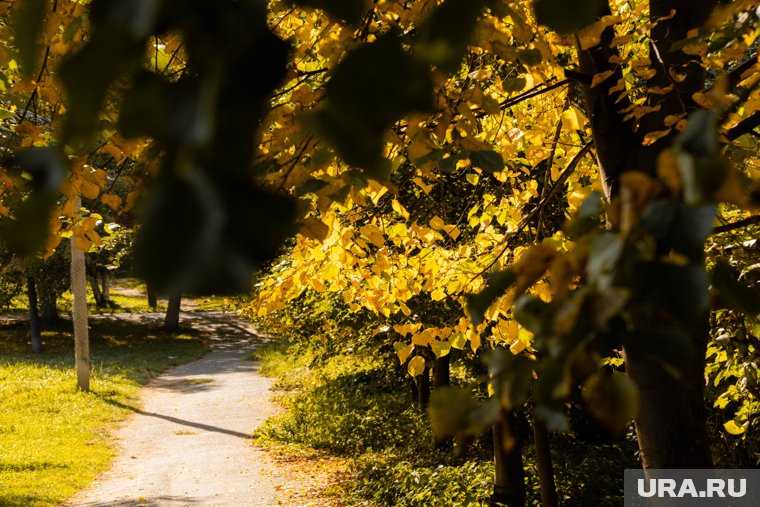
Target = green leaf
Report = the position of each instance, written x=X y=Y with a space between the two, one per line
x=477 y=304
x=735 y=294
x=513 y=85
x=565 y=17
x=310 y=187
x=44 y=170
x=371 y=89
x=350 y=11
x=588 y=216
x=27 y=28
x=488 y=160
x=514 y=383
x=603 y=258
x=529 y=57
x=678 y=226
x=443 y=38
x=450 y=411
x=612 y=399
x=552 y=419
x=702 y=167
x=532 y=313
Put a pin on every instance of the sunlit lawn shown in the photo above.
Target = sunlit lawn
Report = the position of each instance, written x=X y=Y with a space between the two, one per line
x=53 y=439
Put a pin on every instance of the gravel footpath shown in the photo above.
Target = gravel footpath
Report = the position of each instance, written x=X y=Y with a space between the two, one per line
x=189 y=444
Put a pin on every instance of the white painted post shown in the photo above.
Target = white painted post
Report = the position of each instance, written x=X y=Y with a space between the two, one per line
x=79 y=314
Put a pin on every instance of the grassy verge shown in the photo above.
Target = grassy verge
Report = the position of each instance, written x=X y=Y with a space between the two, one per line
x=127 y=295
x=362 y=410
x=53 y=439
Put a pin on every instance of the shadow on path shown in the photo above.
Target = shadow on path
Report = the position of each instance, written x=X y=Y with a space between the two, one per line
x=163 y=501
x=176 y=420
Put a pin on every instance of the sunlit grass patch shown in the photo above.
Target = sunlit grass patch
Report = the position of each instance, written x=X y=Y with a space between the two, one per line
x=53 y=439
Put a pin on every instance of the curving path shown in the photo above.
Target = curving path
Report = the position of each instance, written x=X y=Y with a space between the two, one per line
x=190 y=443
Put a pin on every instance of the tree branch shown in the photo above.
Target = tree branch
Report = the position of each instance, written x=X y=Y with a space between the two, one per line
x=753 y=220
x=745 y=126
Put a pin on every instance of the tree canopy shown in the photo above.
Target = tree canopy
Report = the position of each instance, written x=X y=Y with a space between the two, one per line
x=546 y=174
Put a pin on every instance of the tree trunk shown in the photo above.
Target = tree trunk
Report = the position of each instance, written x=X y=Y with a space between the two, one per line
x=152 y=299
x=96 y=293
x=423 y=388
x=171 y=322
x=105 y=277
x=79 y=314
x=544 y=465
x=509 y=476
x=442 y=371
x=34 y=319
x=48 y=308
x=671 y=423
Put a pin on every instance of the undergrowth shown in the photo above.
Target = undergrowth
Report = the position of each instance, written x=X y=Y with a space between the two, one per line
x=359 y=407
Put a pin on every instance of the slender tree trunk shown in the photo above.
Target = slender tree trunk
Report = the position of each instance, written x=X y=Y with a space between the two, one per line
x=152 y=299
x=106 y=290
x=509 y=476
x=48 y=308
x=79 y=314
x=442 y=371
x=544 y=464
x=423 y=388
x=96 y=293
x=171 y=322
x=34 y=319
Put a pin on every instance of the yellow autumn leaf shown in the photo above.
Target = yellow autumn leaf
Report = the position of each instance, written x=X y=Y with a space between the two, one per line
x=570 y=120
x=403 y=351
x=314 y=228
x=399 y=208
x=440 y=348
x=373 y=234
x=602 y=76
x=437 y=223
x=88 y=189
x=438 y=295
x=517 y=347
x=733 y=428
x=113 y=201
x=474 y=339
x=406 y=329
x=416 y=366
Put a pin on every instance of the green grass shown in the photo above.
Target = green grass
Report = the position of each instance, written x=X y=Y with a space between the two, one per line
x=53 y=439
x=122 y=302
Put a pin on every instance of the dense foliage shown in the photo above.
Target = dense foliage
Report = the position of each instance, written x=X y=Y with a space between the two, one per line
x=525 y=186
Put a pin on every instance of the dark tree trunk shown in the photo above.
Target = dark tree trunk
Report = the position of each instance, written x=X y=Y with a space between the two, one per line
x=509 y=476
x=671 y=423
x=442 y=371
x=152 y=299
x=105 y=277
x=96 y=292
x=48 y=308
x=544 y=465
x=34 y=319
x=423 y=388
x=171 y=322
